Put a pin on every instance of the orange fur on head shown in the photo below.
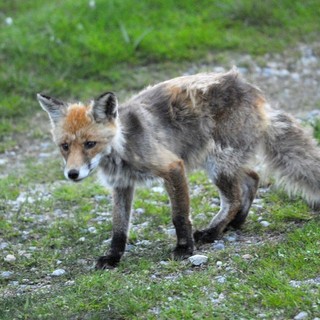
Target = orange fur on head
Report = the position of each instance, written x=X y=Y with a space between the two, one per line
x=77 y=118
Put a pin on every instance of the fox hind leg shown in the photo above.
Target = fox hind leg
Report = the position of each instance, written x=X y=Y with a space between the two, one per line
x=236 y=195
x=249 y=186
x=231 y=204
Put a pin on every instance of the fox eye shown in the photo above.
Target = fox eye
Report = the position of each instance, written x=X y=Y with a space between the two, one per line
x=65 y=146
x=90 y=144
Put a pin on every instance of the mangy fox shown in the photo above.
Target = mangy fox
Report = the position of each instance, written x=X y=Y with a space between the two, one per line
x=217 y=122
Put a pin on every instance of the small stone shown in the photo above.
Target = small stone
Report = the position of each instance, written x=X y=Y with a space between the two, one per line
x=92 y=4
x=171 y=232
x=265 y=223
x=201 y=217
x=58 y=272
x=140 y=211
x=4 y=245
x=144 y=243
x=10 y=258
x=198 y=259
x=105 y=214
x=158 y=189
x=99 y=198
x=130 y=247
x=107 y=241
x=82 y=239
x=221 y=279
x=6 y=274
x=301 y=315
x=231 y=237
x=218 y=246
x=58 y=213
x=219 y=264
x=92 y=230
x=70 y=283
x=216 y=201
x=295 y=76
x=8 y=21
x=247 y=256
x=3 y=162
x=257 y=206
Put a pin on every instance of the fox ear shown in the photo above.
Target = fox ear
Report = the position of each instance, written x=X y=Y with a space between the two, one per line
x=54 y=107
x=105 y=107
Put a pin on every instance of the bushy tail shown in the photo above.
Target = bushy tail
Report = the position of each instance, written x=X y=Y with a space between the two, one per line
x=293 y=157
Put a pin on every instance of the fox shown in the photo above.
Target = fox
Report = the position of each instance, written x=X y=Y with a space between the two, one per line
x=216 y=122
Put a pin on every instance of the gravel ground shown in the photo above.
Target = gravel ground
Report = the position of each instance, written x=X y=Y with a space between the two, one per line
x=290 y=79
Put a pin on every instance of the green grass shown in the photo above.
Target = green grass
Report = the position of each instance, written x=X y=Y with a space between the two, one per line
x=316 y=129
x=69 y=49
x=142 y=287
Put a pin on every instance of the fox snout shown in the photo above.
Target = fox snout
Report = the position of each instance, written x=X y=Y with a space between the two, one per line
x=73 y=174
x=78 y=172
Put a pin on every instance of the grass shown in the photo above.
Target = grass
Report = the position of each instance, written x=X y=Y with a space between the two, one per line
x=72 y=50
x=53 y=232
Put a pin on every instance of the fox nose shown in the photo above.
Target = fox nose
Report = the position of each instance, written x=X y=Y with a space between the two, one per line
x=73 y=174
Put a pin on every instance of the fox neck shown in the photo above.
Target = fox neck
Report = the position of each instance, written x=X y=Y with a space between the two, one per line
x=118 y=141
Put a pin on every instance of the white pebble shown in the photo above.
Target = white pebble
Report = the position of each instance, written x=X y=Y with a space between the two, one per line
x=221 y=279
x=301 y=315
x=218 y=246
x=82 y=239
x=140 y=210
x=58 y=272
x=158 y=189
x=8 y=21
x=3 y=162
x=4 y=245
x=219 y=263
x=171 y=232
x=92 y=4
x=10 y=258
x=107 y=241
x=6 y=274
x=92 y=230
x=265 y=223
x=198 y=259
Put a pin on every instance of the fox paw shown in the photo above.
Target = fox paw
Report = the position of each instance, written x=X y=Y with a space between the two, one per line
x=182 y=252
x=107 y=262
x=206 y=236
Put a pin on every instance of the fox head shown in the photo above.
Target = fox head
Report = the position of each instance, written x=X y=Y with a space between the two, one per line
x=84 y=133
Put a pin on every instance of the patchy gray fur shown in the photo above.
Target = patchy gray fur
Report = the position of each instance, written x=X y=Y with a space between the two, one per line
x=217 y=122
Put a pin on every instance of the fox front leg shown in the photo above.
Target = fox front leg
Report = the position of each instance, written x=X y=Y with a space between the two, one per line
x=122 y=201
x=177 y=188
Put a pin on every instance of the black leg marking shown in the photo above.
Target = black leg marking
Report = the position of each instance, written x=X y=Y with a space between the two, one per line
x=118 y=246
